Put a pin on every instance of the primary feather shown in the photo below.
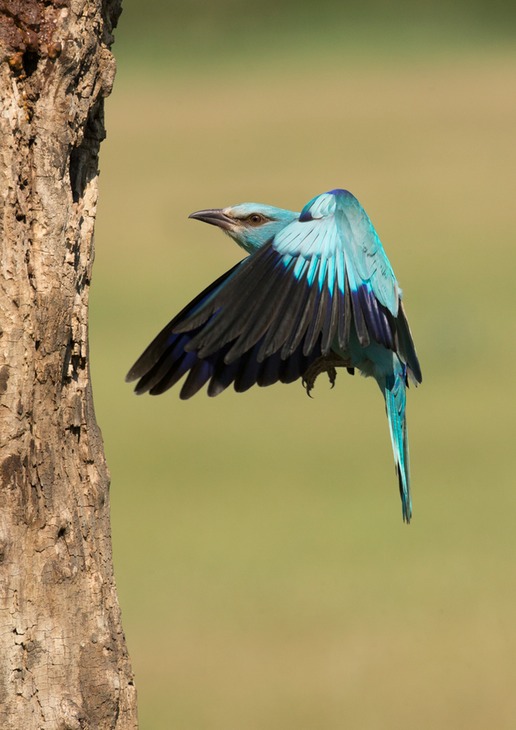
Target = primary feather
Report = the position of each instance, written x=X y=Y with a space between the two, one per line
x=316 y=291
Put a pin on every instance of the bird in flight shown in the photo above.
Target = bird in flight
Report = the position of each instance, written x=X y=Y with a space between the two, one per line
x=316 y=292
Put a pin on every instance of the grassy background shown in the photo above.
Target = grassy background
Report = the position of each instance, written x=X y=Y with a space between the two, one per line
x=265 y=576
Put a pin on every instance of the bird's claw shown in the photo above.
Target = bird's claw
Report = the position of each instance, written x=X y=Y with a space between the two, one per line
x=326 y=365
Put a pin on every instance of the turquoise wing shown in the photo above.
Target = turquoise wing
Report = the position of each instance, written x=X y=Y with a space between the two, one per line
x=345 y=255
x=318 y=277
x=320 y=281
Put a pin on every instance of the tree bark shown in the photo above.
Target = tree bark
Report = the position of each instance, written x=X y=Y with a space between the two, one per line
x=63 y=658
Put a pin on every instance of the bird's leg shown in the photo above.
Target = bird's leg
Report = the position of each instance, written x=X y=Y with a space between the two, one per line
x=325 y=364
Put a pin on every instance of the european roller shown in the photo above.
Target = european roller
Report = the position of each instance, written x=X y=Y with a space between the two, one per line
x=316 y=292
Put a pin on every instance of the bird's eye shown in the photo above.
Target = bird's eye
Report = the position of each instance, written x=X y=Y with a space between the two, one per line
x=255 y=219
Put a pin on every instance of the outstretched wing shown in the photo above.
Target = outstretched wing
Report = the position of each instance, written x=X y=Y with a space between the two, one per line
x=320 y=279
x=372 y=278
x=168 y=358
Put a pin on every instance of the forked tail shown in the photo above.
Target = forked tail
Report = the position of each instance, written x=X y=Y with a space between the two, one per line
x=394 y=390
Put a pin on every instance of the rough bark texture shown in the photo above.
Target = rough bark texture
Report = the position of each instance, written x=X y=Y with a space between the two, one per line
x=63 y=659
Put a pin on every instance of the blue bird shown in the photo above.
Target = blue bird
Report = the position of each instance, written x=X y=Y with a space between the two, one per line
x=317 y=292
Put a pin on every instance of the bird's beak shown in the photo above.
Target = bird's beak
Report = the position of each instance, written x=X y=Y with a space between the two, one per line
x=214 y=216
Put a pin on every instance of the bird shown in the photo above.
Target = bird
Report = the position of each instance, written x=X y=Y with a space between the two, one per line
x=315 y=293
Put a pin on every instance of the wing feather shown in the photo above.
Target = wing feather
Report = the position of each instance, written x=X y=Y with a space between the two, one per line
x=406 y=345
x=295 y=299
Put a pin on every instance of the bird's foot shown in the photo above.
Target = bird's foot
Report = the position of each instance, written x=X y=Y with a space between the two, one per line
x=325 y=364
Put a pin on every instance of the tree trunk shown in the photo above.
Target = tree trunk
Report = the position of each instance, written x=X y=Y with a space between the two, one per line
x=63 y=658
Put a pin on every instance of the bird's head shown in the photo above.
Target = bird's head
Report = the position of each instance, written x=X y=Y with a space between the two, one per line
x=251 y=225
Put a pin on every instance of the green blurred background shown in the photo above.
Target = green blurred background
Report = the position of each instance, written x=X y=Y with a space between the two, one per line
x=266 y=579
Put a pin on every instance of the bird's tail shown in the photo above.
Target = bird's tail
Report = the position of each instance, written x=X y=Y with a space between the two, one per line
x=394 y=390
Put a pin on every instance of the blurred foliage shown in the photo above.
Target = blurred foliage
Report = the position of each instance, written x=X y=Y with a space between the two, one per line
x=224 y=17
x=265 y=576
x=192 y=33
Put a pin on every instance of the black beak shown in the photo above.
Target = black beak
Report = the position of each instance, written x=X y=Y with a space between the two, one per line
x=214 y=216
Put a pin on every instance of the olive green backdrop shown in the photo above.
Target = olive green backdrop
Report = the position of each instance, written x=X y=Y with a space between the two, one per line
x=266 y=579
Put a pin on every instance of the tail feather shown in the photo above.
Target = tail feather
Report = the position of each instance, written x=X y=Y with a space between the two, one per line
x=394 y=390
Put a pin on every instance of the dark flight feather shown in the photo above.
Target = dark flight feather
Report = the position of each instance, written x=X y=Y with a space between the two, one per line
x=264 y=321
